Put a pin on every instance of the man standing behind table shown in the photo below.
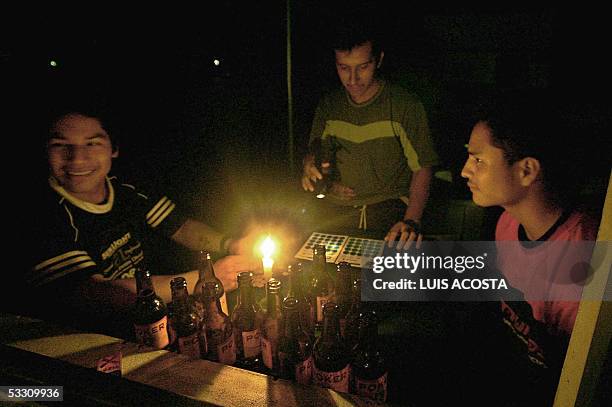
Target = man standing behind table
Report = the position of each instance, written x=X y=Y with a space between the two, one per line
x=376 y=135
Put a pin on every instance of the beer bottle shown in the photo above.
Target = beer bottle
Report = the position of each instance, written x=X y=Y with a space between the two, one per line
x=323 y=186
x=368 y=367
x=184 y=320
x=343 y=295
x=331 y=358
x=217 y=328
x=150 y=313
x=246 y=322
x=295 y=346
x=321 y=284
x=351 y=330
x=296 y=290
x=206 y=273
x=271 y=327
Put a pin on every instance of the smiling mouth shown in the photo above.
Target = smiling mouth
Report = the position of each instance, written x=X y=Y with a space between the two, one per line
x=79 y=173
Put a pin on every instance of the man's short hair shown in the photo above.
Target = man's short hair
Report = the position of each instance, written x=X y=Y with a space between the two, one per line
x=523 y=124
x=351 y=32
x=96 y=107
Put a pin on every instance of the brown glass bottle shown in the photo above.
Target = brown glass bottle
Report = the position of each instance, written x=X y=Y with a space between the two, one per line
x=217 y=328
x=295 y=346
x=296 y=290
x=271 y=327
x=351 y=329
x=150 y=313
x=206 y=273
x=343 y=295
x=331 y=357
x=321 y=284
x=246 y=323
x=184 y=321
x=368 y=368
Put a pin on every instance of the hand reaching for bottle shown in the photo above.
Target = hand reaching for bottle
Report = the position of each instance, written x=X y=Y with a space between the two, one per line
x=226 y=268
x=311 y=174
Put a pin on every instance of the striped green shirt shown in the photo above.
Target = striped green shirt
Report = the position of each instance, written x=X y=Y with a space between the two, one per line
x=379 y=144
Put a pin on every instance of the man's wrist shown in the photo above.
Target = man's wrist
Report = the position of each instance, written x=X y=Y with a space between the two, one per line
x=413 y=225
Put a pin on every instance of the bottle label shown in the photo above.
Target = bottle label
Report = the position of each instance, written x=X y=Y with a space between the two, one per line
x=373 y=389
x=155 y=334
x=190 y=346
x=338 y=381
x=227 y=351
x=251 y=343
x=303 y=371
x=266 y=352
x=321 y=301
x=223 y=301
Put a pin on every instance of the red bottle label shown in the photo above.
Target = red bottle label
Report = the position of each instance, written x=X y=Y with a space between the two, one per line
x=227 y=351
x=374 y=389
x=338 y=381
x=266 y=352
x=303 y=372
x=155 y=334
x=190 y=346
x=251 y=343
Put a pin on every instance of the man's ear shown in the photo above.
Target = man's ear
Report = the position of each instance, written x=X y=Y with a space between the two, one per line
x=115 y=152
x=380 y=59
x=529 y=170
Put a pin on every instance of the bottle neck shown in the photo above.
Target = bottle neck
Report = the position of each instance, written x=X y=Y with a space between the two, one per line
x=206 y=270
x=179 y=296
x=331 y=328
x=292 y=323
x=144 y=283
x=212 y=305
x=368 y=334
x=245 y=296
x=273 y=304
x=319 y=265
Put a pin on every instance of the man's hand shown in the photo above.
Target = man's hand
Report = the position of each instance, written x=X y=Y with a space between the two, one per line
x=227 y=268
x=407 y=236
x=310 y=172
x=342 y=191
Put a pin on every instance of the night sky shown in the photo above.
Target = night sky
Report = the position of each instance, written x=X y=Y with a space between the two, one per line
x=216 y=136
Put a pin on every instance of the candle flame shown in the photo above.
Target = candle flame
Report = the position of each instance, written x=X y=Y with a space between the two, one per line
x=268 y=247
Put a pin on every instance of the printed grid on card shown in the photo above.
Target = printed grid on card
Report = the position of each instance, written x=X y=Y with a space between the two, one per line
x=355 y=250
x=333 y=244
x=359 y=251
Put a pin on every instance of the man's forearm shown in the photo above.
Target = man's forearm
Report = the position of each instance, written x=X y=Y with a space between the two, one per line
x=419 y=193
x=196 y=235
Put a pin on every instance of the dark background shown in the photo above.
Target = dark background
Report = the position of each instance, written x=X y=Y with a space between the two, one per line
x=217 y=137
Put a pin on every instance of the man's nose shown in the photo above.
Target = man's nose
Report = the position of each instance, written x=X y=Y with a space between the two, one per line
x=76 y=153
x=353 y=77
x=466 y=172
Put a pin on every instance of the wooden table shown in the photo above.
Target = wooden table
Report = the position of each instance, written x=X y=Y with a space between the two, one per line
x=33 y=348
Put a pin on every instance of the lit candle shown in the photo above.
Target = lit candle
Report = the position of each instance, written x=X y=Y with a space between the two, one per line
x=267 y=249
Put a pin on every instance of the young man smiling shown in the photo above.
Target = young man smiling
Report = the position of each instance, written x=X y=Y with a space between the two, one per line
x=377 y=135
x=92 y=231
